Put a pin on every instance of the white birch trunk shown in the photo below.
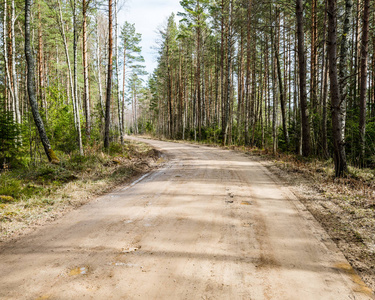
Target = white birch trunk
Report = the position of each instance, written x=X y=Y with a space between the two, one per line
x=14 y=74
x=5 y=33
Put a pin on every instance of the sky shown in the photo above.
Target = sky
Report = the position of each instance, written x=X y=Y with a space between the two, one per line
x=148 y=16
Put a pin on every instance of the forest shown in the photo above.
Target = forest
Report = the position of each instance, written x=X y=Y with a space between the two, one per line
x=288 y=76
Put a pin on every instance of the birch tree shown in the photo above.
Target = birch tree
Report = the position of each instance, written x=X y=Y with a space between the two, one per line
x=338 y=143
x=363 y=79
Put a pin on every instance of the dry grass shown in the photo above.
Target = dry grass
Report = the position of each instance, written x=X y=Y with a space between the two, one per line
x=44 y=193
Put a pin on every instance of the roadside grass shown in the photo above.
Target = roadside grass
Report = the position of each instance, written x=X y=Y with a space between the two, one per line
x=42 y=192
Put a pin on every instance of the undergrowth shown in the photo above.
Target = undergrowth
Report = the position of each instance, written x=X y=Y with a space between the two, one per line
x=29 y=194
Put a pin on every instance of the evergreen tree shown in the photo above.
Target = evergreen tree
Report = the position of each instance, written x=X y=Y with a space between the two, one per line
x=9 y=136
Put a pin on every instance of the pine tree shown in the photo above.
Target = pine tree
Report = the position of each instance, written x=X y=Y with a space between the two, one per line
x=132 y=59
x=9 y=136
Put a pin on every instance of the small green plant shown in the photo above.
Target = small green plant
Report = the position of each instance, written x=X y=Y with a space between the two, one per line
x=6 y=199
x=10 y=186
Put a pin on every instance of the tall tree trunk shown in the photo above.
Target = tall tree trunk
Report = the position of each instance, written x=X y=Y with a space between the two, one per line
x=363 y=79
x=302 y=80
x=14 y=74
x=324 y=110
x=180 y=95
x=344 y=49
x=254 y=83
x=198 y=74
x=281 y=89
x=338 y=143
x=31 y=88
x=75 y=83
x=6 y=62
x=123 y=89
x=99 y=67
x=356 y=49
x=86 y=91
x=227 y=105
x=240 y=88
x=248 y=72
x=314 y=75
x=222 y=84
x=274 y=96
x=70 y=77
x=169 y=96
x=40 y=58
x=119 y=106
x=314 y=55
x=282 y=99
x=324 y=87
x=109 y=78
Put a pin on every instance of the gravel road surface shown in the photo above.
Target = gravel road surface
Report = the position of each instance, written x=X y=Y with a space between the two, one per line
x=208 y=224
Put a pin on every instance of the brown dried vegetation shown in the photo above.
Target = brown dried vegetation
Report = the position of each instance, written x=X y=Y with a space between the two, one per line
x=43 y=193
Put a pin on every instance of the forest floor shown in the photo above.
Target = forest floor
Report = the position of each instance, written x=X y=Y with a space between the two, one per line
x=209 y=224
x=34 y=196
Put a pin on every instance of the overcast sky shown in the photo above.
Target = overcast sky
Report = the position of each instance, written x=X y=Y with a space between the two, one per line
x=148 y=15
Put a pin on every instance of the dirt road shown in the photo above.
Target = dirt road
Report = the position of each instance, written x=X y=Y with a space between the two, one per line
x=210 y=224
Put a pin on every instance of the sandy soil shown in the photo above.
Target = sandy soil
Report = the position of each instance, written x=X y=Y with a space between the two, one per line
x=210 y=224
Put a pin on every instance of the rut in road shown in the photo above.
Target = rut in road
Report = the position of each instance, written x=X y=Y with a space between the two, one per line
x=209 y=224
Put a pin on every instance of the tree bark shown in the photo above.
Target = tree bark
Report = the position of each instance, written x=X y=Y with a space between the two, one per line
x=14 y=74
x=338 y=143
x=109 y=78
x=31 y=88
x=240 y=87
x=86 y=93
x=6 y=62
x=248 y=72
x=363 y=79
x=123 y=88
x=180 y=96
x=99 y=68
x=343 y=63
x=198 y=74
x=324 y=88
x=227 y=111
x=40 y=58
x=75 y=83
x=274 y=96
x=169 y=94
x=282 y=93
x=222 y=84
x=302 y=80
x=314 y=55
x=119 y=106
